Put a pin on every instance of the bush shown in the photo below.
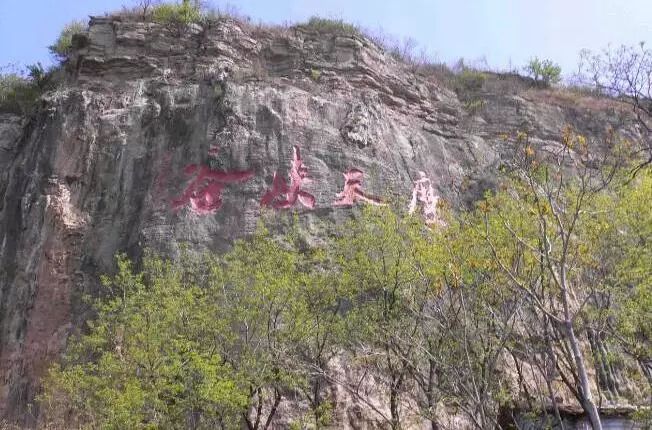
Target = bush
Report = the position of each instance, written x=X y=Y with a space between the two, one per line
x=63 y=45
x=469 y=81
x=440 y=72
x=544 y=72
x=475 y=106
x=315 y=74
x=176 y=14
x=38 y=75
x=146 y=361
x=227 y=11
x=20 y=89
x=332 y=25
x=17 y=94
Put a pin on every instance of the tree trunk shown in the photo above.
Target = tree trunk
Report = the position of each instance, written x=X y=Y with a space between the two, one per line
x=430 y=395
x=585 y=389
x=393 y=407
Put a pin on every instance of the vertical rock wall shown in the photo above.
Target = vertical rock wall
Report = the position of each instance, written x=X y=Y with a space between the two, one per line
x=96 y=170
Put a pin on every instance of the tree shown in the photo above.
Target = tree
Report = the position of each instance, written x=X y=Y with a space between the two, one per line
x=547 y=276
x=147 y=360
x=544 y=72
x=145 y=7
x=204 y=342
x=626 y=73
x=258 y=295
x=475 y=320
x=320 y=331
x=379 y=257
x=540 y=238
x=623 y=235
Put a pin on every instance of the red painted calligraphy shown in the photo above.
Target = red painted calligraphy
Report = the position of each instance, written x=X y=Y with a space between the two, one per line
x=204 y=193
x=424 y=195
x=282 y=195
x=352 y=191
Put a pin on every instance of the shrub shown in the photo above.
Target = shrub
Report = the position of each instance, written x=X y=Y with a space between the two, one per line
x=20 y=89
x=228 y=11
x=179 y=15
x=63 y=45
x=544 y=72
x=475 y=106
x=141 y=10
x=145 y=7
x=440 y=72
x=17 y=94
x=315 y=74
x=332 y=25
x=469 y=81
x=39 y=76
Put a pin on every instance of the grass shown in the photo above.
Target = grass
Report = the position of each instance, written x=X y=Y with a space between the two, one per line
x=332 y=25
x=475 y=106
x=21 y=89
x=178 y=14
x=464 y=80
x=17 y=94
x=63 y=45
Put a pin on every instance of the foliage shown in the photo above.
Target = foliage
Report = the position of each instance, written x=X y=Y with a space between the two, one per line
x=624 y=72
x=315 y=74
x=630 y=272
x=147 y=360
x=332 y=25
x=544 y=266
x=145 y=7
x=202 y=342
x=63 y=45
x=177 y=14
x=382 y=262
x=469 y=81
x=544 y=72
x=19 y=93
x=474 y=106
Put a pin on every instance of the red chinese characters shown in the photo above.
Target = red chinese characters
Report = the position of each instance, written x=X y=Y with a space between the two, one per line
x=424 y=195
x=282 y=196
x=204 y=193
x=352 y=192
x=213 y=151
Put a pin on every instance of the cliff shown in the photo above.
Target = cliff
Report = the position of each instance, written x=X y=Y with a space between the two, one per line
x=111 y=161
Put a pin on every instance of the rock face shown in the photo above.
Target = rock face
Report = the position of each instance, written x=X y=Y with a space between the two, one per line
x=147 y=108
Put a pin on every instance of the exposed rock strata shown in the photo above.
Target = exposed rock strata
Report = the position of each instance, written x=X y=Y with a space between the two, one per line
x=94 y=172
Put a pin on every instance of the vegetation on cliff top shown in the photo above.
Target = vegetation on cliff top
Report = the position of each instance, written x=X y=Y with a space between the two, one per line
x=62 y=47
x=552 y=271
x=599 y=74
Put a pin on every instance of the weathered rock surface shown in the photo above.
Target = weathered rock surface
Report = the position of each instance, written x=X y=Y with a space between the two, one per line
x=94 y=171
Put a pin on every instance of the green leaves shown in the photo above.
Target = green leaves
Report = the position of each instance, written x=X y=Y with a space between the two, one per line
x=146 y=361
x=543 y=71
x=177 y=14
x=426 y=314
x=62 y=47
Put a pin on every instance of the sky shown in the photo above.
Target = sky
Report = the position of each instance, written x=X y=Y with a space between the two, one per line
x=503 y=33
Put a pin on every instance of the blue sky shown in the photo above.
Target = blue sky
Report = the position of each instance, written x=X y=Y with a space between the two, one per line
x=502 y=31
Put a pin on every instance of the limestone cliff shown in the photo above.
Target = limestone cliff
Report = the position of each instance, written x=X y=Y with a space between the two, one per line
x=144 y=108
